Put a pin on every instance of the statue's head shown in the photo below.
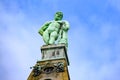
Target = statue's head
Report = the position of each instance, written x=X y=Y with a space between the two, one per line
x=58 y=16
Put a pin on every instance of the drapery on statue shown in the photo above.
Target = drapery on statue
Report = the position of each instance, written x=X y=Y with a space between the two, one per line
x=55 y=32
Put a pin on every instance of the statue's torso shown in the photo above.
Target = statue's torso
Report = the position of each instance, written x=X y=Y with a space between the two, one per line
x=54 y=26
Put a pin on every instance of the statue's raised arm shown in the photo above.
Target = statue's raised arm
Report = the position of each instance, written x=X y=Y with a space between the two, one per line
x=43 y=28
x=55 y=32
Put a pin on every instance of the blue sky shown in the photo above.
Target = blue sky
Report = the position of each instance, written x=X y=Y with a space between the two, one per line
x=94 y=42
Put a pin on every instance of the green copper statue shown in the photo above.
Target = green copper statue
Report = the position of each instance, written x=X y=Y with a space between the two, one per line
x=55 y=32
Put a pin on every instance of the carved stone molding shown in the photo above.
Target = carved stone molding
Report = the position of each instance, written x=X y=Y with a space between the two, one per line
x=48 y=68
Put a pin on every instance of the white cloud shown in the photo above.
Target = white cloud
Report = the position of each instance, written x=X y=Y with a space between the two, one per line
x=19 y=47
x=94 y=54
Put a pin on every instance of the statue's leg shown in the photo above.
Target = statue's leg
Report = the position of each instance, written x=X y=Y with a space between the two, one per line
x=53 y=36
x=46 y=37
x=63 y=38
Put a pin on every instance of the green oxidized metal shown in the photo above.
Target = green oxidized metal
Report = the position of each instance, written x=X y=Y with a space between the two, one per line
x=55 y=32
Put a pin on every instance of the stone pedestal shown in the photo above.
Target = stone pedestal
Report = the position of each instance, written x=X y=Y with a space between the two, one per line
x=53 y=65
x=54 y=52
